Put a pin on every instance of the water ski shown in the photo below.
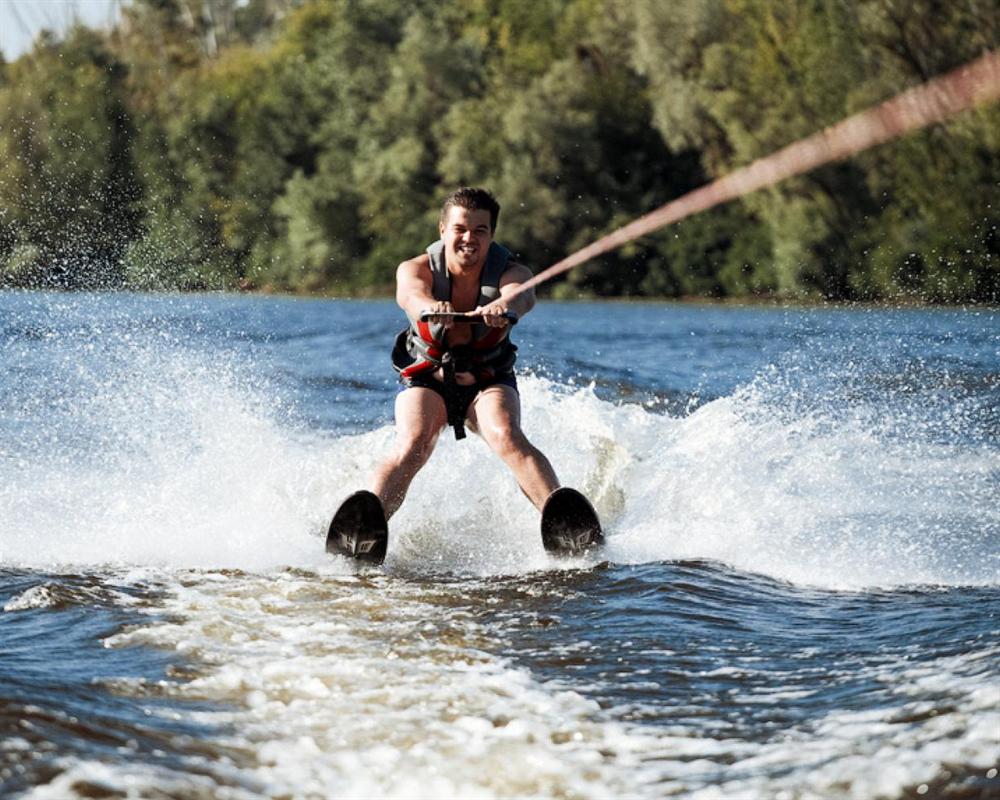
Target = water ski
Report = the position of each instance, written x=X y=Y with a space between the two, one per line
x=359 y=529
x=569 y=523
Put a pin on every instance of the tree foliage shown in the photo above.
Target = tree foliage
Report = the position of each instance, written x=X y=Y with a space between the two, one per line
x=305 y=145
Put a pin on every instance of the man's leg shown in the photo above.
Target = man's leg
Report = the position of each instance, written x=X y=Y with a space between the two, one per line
x=495 y=415
x=420 y=416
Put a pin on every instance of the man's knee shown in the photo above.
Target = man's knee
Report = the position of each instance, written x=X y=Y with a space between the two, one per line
x=507 y=440
x=415 y=448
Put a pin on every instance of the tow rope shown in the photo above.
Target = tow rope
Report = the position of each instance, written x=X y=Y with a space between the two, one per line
x=973 y=84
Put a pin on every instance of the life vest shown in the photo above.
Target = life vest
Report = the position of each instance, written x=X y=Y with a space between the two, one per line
x=421 y=348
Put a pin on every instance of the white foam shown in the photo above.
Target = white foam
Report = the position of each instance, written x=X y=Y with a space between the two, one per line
x=35 y=597
x=189 y=461
x=341 y=690
x=50 y=595
x=863 y=754
x=373 y=688
x=95 y=778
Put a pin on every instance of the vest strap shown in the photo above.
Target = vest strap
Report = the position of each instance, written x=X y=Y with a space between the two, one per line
x=455 y=418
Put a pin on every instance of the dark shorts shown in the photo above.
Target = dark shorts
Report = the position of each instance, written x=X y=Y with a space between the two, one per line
x=458 y=404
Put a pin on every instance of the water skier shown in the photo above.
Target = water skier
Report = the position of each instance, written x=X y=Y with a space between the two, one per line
x=461 y=373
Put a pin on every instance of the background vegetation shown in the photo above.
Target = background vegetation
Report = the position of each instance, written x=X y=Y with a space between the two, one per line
x=306 y=146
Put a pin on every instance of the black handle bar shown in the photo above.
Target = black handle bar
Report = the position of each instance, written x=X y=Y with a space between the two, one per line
x=458 y=316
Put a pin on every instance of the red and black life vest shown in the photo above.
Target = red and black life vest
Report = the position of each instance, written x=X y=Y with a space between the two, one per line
x=421 y=348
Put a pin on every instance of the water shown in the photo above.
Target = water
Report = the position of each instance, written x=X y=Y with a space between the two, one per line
x=799 y=597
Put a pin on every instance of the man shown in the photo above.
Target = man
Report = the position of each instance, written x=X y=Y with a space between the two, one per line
x=461 y=373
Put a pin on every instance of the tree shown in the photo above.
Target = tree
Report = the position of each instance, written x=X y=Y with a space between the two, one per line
x=67 y=179
x=937 y=234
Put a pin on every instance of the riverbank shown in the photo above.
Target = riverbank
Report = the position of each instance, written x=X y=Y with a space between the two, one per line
x=559 y=294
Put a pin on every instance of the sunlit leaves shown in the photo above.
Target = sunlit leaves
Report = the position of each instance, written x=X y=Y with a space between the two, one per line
x=305 y=145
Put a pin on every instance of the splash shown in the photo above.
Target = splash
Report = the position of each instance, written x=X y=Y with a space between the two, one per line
x=141 y=449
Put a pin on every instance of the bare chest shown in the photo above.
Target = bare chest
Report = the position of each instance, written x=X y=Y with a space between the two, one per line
x=464 y=297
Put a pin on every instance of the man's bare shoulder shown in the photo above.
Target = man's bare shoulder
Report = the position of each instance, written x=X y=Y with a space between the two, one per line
x=516 y=273
x=417 y=266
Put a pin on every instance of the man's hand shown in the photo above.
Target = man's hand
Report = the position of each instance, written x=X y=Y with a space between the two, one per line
x=442 y=307
x=492 y=314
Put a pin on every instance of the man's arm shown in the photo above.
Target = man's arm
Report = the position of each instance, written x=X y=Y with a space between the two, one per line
x=510 y=283
x=414 y=289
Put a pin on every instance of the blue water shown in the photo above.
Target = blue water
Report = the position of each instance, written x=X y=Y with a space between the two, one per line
x=799 y=596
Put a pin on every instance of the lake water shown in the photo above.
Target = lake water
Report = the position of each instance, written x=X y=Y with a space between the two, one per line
x=799 y=596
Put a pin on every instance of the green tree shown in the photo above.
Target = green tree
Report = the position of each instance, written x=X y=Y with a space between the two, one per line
x=740 y=78
x=570 y=150
x=395 y=162
x=304 y=145
x=936 y=236
x=336 y=58
x=67 y=180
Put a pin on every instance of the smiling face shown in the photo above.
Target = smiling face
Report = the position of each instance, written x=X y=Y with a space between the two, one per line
x=467 y=235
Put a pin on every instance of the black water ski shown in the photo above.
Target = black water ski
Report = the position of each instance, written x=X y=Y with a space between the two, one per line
x=569 y=523
x=359 y=529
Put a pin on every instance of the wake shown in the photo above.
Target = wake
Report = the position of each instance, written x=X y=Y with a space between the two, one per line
x=193 y=463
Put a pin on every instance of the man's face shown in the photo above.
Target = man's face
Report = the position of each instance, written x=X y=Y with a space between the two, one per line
x=467 y=236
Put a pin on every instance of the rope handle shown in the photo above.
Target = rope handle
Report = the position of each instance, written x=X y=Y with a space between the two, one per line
x=459 y=316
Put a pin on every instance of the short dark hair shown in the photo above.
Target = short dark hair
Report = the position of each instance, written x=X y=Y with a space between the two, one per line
x=473 y=200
